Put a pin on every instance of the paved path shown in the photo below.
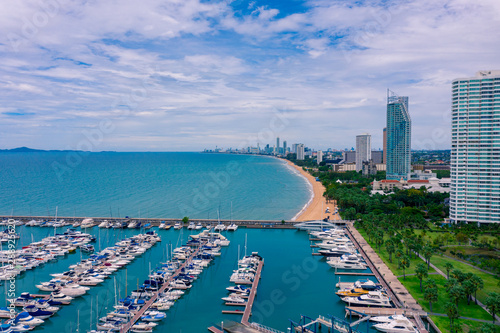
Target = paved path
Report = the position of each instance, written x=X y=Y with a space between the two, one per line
x=468 y=264
x=412 y=274
x=467 y=318
x=472 y=297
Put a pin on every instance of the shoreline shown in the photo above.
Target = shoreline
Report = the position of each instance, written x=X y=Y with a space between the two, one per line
x=315 y=208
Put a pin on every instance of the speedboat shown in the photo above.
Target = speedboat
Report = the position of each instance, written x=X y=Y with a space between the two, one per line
x=104 y=224
x=220 y=227
x=317 y=225
x=373 y=298
x=397 y=326
x=37 y=313
x=162 y=225
x=352 y=292
x=73 y=290
x=337 y=251
x=153 y=316
x=198 y=226
x=191 y=226
x=60 y=297
x=233 y=299
x=26 y=319
x=366 y=284
x=178 y=226
x=239 y=289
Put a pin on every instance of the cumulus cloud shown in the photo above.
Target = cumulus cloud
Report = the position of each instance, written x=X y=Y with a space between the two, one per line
x=192 y=74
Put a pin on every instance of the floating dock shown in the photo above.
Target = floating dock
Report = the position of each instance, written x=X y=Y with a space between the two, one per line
x=251 y=297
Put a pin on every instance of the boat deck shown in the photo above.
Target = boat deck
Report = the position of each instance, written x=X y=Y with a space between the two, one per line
x=251 y=297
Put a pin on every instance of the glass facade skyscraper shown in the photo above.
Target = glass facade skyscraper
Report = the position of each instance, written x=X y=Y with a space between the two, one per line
x=475 y=149
x=398 y=133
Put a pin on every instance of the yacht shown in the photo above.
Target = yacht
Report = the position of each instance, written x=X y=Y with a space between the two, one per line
x=153 y=316
x=178 y=225
x=239 y=289
x=232 y=227
x=397 y=326
x=373 y=298
x=366 y=284
x=337 y=251
x=220 y=227
x=162 y=225
x=199 y=226
x=331 y=243
x=191 y=226
x=87 y=223
x=388 y=319
x=347 y=262
x=317 y=225
x=73 y=290
x=233 y=299
x=104 y=224
x=355 y=292
x=132 y=225
x=26 y=319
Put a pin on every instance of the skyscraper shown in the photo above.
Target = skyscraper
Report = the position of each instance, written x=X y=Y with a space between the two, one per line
x=277 y=145
x=398 y=137
x=284 y=147
x=300 y=151
x=384 y=152
x=319 y=156
x=363 y=150
x=475 y=149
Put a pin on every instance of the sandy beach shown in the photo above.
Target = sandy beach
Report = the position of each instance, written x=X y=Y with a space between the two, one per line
x=317 y=206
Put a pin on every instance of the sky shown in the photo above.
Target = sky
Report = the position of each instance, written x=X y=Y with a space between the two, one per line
x=185 y=75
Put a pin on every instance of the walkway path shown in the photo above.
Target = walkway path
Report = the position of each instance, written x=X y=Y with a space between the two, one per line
x=466 y=318
x=469 y=264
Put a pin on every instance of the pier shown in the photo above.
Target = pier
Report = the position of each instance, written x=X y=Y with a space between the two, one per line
x=251 y=297
x=125 y=328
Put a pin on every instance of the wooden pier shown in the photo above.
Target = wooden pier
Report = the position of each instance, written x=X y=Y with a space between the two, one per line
x=354 y=273
x=125 y=328
x=251 y=297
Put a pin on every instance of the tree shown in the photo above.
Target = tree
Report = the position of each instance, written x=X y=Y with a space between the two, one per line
x=492 y=303
x=390 y=247
x=422 y=272
x=452 y=312
x=431 y=293
x=448 y=266
x=468 y=286
x=478 y=285
x=379 y=240
x=404 y=263
x=427 y=252
x=487 y=328
x=450 y=283
x=456 y=293
x=458 y=275
x=185 y=219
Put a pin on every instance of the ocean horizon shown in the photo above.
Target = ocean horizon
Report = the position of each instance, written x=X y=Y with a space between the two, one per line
x=150 y=185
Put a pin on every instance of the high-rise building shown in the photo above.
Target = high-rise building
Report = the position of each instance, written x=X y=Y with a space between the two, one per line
x=277 y=145
x=475 y=149
x=363 y=150
x=294 y=148
x=284 y=148
x=384 y=152
x=300 y=151
x=398 y=137
x=319 y=157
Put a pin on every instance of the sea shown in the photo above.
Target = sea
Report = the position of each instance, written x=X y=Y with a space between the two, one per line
x=294 y=283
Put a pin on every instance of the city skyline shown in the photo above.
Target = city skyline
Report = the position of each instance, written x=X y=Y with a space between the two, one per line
x=172 y=76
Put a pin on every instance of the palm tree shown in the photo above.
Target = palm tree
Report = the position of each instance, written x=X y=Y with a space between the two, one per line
x=390 y=247
x=492 y=303
x=456 y=293
x=469 y=287
x=431 y=294
x=448 y=266
x=427 y=252
x=452 y=312
x=478 y=285
x=404 y=263
x=422 y=272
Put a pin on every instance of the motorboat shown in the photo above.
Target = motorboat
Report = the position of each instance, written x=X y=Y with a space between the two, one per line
x=347 y=262
x=220 y=227
x=132 y=225
x=19 y=327
x=73 y=290
x=373 y=298
x=239 y=289
x=153 y=316
x=396 y=326
x=366 y=284
x=199 y=226
x=233 y=299
x=87 y=223
x=178 y=225
x=191 y=226
x=60 y=297
x=332 y=243
x=337 y=251
x=388 y=319
x=104 y=224
x=317 y=225
x=26 y=319
x=351 y=292
x=162 y=225
x=37 y=313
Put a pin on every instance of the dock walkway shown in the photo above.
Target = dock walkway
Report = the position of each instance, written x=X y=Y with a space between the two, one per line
x=251 y=297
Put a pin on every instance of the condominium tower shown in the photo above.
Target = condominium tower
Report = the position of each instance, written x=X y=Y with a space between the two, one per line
x=475 y=149
x=363 y=150
x=398 y=134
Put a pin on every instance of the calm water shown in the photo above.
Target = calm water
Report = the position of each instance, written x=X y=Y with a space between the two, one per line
x=168 y=185
x=293 y=282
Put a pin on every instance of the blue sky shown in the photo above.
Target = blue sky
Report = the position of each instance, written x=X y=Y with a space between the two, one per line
x=184 y=75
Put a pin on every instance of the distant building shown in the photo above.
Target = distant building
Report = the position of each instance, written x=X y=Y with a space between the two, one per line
x=294 y=148
x=300 y=151
x=432 y=185
x=369 y=168
x=319 y=157
x=363 y=150
x=398 y=137
x=384 y=156
x=284 y=147
x=377 y=156
x=475 y=149
x=349 y=156
x=277 y=145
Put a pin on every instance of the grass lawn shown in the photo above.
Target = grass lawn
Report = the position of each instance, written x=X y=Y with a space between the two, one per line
x=467 y=325
x=490 y=281
x=394 y=265
x=412 y=284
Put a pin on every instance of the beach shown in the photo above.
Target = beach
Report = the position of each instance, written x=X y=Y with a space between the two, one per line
x=316 y=207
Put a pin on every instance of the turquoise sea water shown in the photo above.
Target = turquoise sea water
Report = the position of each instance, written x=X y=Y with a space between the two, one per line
x=293 y=281
x=159 y=185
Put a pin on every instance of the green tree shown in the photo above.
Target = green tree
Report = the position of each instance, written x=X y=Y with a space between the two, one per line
x=452 y=312
x=427 y=252
x=468 y=286
x=492 y=303
x=404 y=263
x=487 y=328
x=421 y=272
x=456 y=293
x=185 y=219
x=379 y=240
x=431 y=292
x=458 y=275
x=390 y=247
x=448 y=266
x=478 y=285
x=450 y=283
